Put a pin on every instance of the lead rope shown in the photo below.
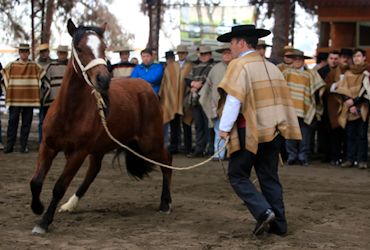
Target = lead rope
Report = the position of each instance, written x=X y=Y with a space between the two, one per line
x=101 y=106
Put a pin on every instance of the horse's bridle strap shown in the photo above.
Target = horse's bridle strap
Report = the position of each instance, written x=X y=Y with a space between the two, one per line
x=95 y=62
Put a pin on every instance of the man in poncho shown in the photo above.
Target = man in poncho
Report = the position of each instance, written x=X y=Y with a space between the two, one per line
x=306 y=89
x=22 y=83
x=257 y=114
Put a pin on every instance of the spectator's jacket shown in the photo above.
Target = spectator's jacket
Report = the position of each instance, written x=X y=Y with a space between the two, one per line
x=200 y=71
x=152 y=73
x=209 y=95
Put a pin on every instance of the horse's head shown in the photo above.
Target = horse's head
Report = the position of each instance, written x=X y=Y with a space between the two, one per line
x=88 y=50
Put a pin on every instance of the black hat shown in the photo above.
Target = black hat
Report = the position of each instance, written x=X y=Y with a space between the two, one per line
x=294 y=53
x=346 y=52
x=322 y=56
x=169 y=54
x=247 y=30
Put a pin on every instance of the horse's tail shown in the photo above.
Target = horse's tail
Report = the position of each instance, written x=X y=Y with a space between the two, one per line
x=136 y=166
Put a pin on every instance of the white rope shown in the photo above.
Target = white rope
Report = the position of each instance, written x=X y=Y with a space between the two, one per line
x=104 y=123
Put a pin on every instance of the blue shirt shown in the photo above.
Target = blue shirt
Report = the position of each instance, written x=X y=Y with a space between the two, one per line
x=152 y=73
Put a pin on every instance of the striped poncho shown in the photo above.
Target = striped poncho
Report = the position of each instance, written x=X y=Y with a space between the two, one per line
x=265 y=102
x=306 y=88
x=53 y=79
x=22 y=83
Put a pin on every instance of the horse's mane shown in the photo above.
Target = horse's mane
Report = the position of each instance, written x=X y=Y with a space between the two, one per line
x=82 y=29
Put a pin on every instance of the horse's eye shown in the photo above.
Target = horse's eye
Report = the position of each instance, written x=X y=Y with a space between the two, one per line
x=78 y=50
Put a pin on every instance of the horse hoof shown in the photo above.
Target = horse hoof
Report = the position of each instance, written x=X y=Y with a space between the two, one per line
x=37 y=207
x=165 y=208
x=70 y=205
x=37 y=230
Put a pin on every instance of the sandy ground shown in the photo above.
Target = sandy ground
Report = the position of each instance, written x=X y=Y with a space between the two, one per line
x=327 y=208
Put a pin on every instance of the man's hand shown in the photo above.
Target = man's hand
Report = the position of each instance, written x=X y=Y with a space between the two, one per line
x=224 y=134
x=196 y=84
x=353 y=110
x=349 y=103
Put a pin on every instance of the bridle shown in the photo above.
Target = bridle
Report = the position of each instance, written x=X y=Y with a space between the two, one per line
x=95 y=62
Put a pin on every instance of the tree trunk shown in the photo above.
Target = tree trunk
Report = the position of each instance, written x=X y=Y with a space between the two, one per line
x=46 y=33
x=32 y=29
x=154 y=13
x=281 y=28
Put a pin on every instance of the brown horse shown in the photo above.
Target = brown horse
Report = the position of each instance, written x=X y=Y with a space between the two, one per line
x=72 y=125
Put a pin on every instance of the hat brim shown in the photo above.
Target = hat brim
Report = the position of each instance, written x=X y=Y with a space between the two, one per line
x=258 y=33
x=221 y=50
x=295 y=56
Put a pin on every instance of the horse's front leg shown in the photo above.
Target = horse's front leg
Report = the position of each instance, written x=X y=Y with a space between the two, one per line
x=44 y=161
x=91 y=173
x=73 y=164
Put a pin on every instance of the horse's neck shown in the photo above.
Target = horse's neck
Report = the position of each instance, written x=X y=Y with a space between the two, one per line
x=75 y=93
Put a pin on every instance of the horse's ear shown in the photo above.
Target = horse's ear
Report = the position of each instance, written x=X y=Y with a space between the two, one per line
x=71 y=27
x=104 y=26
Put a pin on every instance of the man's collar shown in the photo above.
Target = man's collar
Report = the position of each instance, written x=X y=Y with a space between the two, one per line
x=246 y=52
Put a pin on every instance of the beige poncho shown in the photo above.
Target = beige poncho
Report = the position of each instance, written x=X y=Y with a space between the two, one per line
x=265 y=101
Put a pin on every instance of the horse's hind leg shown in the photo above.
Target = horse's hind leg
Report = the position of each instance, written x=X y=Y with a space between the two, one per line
x=73 y=164
x=91 y=173
x=44 y=161
x=165 y=205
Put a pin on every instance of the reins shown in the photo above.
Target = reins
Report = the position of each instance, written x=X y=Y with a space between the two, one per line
x=101 y=105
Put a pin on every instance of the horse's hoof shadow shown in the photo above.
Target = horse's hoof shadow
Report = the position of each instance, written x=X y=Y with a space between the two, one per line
x=37 y=207
x=38 y=230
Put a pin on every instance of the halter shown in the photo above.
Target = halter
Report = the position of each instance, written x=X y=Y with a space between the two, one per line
x=84 y=69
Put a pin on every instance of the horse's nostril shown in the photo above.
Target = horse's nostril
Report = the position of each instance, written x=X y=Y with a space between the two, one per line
x=103 y=81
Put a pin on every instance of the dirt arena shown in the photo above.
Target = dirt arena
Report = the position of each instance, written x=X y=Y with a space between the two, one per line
x=327 y=208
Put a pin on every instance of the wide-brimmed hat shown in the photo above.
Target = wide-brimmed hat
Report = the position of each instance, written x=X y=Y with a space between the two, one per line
x=247 y=30
x=122 y=49
x=297 y=53
x=182 y=48
x=224 y=47
x=62 y=48
x=287 y=49
x=43 y=46
x=346 y=52
x=24 y=46
x=204 y=49
x=262 y=43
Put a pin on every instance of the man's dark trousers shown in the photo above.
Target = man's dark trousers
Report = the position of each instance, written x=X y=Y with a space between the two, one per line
x=14 y=113
x=265 y=163
x=201 y=129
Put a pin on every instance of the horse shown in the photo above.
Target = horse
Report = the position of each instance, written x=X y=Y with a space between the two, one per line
x=73 y=125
